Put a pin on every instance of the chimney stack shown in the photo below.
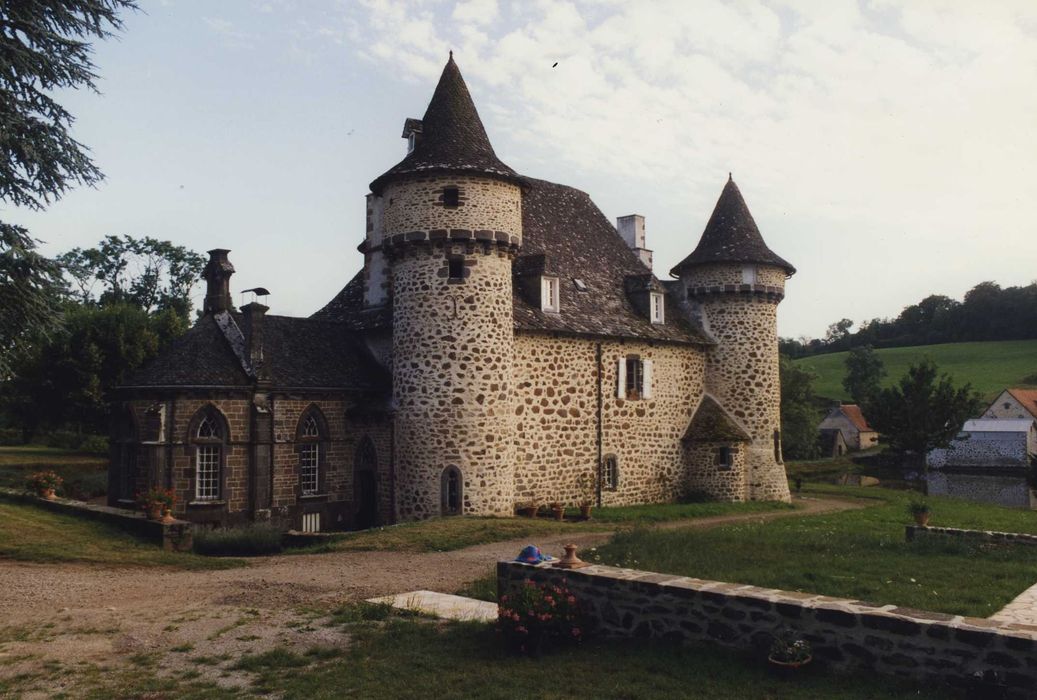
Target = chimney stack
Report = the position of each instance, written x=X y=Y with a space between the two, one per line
x=217 y=282
x=253 y=314
x=632 y=229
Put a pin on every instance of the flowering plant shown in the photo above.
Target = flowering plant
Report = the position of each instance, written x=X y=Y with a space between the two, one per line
x=41 y=481
x=789 y=648
x=537 y=612
x=156 y=497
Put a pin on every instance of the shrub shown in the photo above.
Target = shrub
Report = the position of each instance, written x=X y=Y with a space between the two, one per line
x=156 y=497
x=84 y=486
x=63 y=439
x=539 y=613
x=10 y=437
x=246 y=541
x=41 y=481
x=917 y=508
x=94 y=444
x=789 y=647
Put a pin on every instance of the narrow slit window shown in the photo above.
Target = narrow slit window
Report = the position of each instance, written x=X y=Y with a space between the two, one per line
x=451 y=197
x=777 y=446
x=610 y=473
x=452 y=487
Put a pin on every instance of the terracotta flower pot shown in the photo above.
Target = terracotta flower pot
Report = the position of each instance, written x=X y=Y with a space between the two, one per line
x=46 y=493
x=155 y=512
x=787 y=669
x=585 y=512
x=922 y=519
x=167 y=517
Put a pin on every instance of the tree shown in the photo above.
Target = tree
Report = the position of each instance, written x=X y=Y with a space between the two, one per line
x=864 y=372
x=41 y=50
x=144 y=272
x=923 y=411
x=799 y=414
x=838 y=330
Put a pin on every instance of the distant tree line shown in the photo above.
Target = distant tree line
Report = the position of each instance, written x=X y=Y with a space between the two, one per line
x=988 y=312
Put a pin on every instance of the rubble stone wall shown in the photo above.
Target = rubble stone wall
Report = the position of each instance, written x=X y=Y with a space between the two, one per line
x=843 y=634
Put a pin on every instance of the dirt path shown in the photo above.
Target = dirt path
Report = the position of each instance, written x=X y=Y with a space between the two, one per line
x=97 y=614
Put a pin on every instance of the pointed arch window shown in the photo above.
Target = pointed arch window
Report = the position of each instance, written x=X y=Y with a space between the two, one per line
x=310 y=433
x=209 y=440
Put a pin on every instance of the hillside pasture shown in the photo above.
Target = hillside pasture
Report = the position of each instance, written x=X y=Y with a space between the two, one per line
x=988 y=366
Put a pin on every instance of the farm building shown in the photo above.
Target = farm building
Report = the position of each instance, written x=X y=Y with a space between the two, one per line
x=849 y=420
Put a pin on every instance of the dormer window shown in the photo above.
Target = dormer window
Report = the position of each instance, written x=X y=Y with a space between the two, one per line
x=580 y=285
x=412 y=141
x=549 y=300
x=657 y=308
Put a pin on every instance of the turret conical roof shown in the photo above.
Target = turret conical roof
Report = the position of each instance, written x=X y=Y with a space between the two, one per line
x=731 y=236
x=452 y=137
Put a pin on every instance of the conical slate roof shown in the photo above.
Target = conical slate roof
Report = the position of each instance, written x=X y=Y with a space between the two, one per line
x=711 y=423
x=731 y=235
x=452 y=137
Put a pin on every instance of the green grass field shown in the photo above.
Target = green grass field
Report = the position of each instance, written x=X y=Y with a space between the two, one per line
x=859 y=554
x=989 y=366
x=85 y=475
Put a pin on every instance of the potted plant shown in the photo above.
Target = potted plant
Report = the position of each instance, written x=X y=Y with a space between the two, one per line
x=44 y=483
x=157 y=502
x=789 y=652
x=919 y=510
x=558 y=511
x=526 y=509
x=585 y=485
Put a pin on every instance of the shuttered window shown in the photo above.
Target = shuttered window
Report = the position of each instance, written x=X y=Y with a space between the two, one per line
x=633 y=378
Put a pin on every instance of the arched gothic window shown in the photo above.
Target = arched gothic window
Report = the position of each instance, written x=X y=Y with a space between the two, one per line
x=452 y=486
x=308 y=438
x=209 y=440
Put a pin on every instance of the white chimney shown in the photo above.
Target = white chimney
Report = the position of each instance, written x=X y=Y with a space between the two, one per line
x=632 y=229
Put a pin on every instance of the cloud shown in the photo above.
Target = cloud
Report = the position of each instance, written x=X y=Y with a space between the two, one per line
x=868 y=135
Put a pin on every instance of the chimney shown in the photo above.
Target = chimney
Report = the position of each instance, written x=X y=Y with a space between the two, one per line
x=632 y=229
x=252 y=314
x=217 y=282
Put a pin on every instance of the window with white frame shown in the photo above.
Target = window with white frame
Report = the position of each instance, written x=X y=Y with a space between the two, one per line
x=634 y=378
x=412 y=141
x=549 y=300
x=656 y=300
x=748 y=274
x=610 y=473
x=208 y=458
x=309 y=456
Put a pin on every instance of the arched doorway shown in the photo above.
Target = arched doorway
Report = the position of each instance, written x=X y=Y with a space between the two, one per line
x=365 y=486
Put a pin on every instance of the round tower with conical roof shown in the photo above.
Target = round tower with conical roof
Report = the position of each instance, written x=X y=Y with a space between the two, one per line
x=736 y=282
x=449 y=223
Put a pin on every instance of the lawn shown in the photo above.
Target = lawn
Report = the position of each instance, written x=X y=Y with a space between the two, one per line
x=860 y=554
x=28 y=533
x=397 y=656
x=447 y=534
x=85 y=475
x=988 y=366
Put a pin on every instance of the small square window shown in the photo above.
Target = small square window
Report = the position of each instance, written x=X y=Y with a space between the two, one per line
x=657 y=307
x=724 y=458
x=549 y=298
x=451 y=197
x=455 y=266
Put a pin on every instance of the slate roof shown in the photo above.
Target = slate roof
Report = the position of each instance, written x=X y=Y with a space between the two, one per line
x=576 y=241
x=452 y=137
x=1027 y=397
x=711 y=423
x=299 y=353
x=731 y=235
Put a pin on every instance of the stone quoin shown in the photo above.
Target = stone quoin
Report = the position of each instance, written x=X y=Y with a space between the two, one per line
x=503 y=344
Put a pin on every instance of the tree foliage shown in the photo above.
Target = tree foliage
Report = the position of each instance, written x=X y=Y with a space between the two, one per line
x=799 y=414
x=30 y=287
x=923 y=411
x=147 y=273
x=864 y=372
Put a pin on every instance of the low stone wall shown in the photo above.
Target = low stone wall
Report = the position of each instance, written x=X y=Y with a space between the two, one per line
x=173 y=537
x=913 y=532
x=844 y=634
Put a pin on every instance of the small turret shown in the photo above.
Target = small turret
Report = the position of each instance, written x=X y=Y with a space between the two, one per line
x=736 y=282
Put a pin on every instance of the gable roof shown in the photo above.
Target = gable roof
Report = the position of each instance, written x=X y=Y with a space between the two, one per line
x=731 y=235
x=299 y=353
x=1027 y=397
x=452 y=136
x=853 y=412
x=711 y=423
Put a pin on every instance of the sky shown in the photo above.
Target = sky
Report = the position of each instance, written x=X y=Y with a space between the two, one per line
x=886 y=149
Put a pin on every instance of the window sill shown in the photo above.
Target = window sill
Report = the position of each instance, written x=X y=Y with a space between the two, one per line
x=313 y=497
x=203 y=504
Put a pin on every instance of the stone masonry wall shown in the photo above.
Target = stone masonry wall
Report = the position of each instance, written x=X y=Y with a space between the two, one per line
x=453 y=341
x=555 y=406
x=742 y=373
x=844 y=634
x=983 y=449
x=725 y=273
x=704 y=475
x=483 y=203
